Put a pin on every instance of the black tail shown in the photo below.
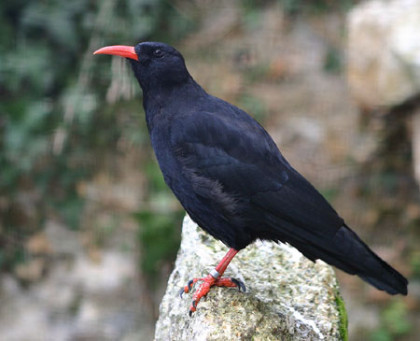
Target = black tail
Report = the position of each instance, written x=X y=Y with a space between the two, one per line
x=349 y=253
x=370 y=267
x=352 y=255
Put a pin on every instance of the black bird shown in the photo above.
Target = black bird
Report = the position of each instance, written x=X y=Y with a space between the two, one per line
x=231 y=178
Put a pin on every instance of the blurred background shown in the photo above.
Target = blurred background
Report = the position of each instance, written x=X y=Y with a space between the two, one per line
x=88 y=229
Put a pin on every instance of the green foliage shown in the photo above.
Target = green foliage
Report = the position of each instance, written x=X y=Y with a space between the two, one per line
x=394 y=323
x=155 y=179
x=159 y=225
x=257 y=73
x=332 y=61
x=159 y=237
x=293 y=7
x=330 y=193
x=343 y=327
x=53 y=131
x=253 y=105
x=415 y=263
x=381 y=335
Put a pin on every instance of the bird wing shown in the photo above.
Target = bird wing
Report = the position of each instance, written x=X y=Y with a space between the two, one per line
x=231 y=161
x=228 y=157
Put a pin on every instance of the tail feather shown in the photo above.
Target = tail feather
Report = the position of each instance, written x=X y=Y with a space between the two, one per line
x=349 y=253
x=362 y=261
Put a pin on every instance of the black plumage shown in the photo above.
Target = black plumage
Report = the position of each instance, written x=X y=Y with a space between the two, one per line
x=231 y=178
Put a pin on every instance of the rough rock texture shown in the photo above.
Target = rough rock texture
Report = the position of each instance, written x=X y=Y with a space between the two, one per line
x=288 y=297
x=383 y=66
x=384 y=52
x=81 y=297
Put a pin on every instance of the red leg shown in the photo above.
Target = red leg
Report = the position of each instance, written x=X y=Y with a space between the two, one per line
x=213 y=279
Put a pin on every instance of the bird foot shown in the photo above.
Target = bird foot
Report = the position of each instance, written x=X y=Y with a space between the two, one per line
x=204 y=288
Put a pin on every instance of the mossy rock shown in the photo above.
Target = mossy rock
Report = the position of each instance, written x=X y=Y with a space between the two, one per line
x=288 y=297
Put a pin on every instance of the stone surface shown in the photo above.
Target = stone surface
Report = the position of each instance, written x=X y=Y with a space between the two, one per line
x=288 y=297
x=384 y=52
x=78 y=298
x=383 y=66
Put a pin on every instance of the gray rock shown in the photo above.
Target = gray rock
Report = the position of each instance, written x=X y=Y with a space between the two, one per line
x=288 y=297
x=79 y=298
x=383 y=66
x=384 y=52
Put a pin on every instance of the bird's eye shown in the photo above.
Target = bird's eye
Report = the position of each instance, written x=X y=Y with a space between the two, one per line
x=158 y=53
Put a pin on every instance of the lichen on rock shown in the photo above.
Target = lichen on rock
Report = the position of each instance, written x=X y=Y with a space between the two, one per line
x=288 y=297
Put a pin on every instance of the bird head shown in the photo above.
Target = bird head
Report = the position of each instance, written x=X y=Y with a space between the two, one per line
x=155 y=65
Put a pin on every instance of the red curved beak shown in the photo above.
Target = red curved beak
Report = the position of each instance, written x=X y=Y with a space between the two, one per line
x=119 y=50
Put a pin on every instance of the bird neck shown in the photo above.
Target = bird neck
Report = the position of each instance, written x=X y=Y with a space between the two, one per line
x=175 y=97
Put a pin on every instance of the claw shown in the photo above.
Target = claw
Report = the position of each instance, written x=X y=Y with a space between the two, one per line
x=181 y=292
x=208 y=283
x=214 y=278
x=193 y=307
x=187 y=288
x=190 y=284
x=239 y=284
